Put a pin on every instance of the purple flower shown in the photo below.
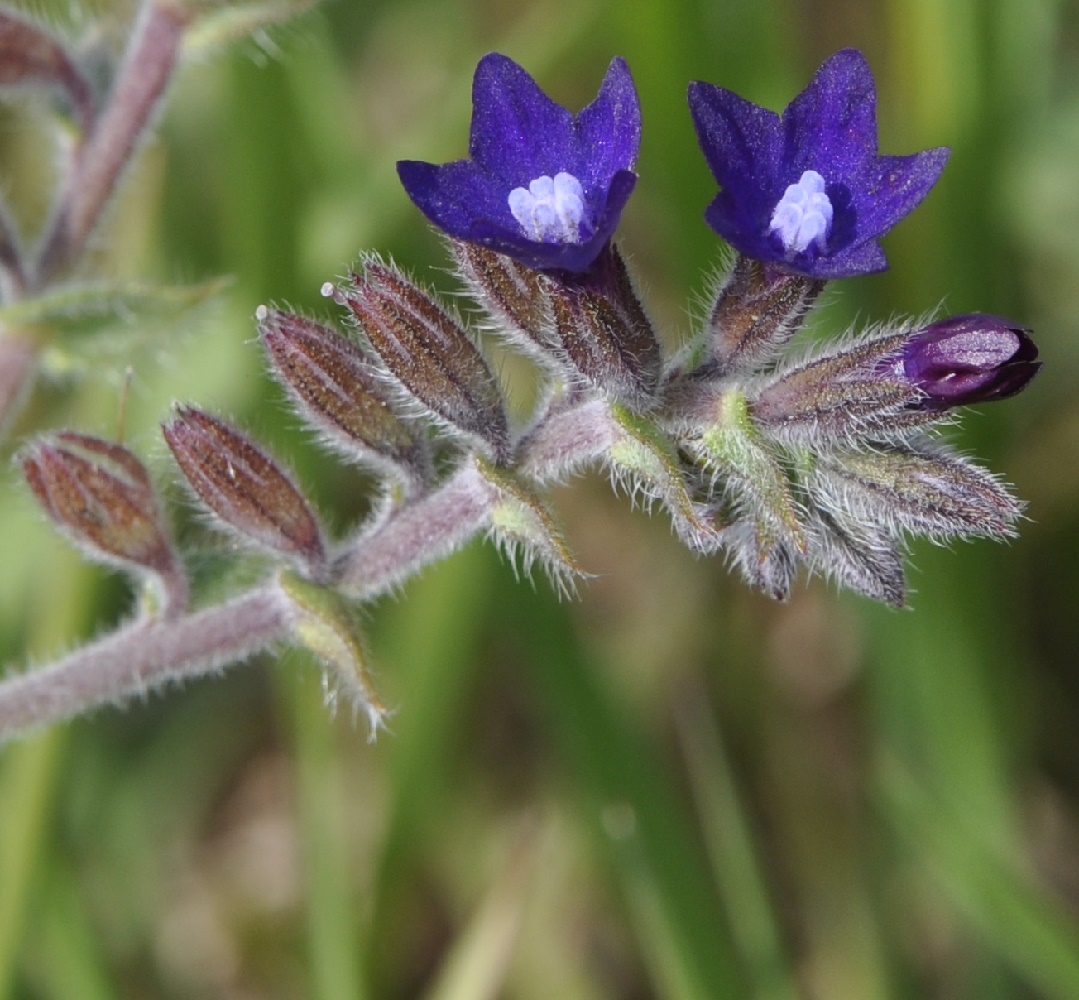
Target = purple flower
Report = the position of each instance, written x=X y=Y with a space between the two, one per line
x=967 y=359
x=542 y=185
x=807 y=191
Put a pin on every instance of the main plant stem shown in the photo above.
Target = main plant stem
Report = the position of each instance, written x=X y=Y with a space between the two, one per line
x=149 y=652
x=142 y=656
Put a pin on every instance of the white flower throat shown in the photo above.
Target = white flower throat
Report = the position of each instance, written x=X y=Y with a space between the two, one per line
x=550 y=209
x=803 y=215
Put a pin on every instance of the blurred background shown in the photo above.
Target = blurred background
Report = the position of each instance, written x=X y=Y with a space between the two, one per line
x=670 y=787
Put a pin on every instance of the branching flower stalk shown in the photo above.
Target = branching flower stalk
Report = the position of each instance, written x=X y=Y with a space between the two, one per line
x=828 y=462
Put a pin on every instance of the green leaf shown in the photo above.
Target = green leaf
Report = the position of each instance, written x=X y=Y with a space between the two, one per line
x=226 y=24
x=94 y=323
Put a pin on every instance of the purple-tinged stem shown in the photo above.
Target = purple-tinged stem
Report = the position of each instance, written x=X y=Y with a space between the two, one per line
x=432 y=527
x=141 y=657
x=145 y=74
x=417 y=534
x=567 y=440
x=175 y=591
x=18 y=364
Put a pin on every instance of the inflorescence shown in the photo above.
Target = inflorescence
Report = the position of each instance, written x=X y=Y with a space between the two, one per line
x=826 y=461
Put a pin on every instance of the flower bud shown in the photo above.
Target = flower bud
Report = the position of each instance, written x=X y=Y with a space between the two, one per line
x=428 y=352
x=100 y=494
x=246 y=488
x=974 y=358
x=337 y=390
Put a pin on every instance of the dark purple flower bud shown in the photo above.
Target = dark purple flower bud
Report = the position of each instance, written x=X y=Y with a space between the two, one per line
x=542 y=185
x=428 y=352
x=961 y=360
x=807 y=191
x=246 y=488
x=100 y=494
x=337 y=389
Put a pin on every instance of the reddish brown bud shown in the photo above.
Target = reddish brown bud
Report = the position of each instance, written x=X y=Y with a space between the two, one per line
x=428 y=352
x=246 y=488
x=100 y=494
x=337 y=390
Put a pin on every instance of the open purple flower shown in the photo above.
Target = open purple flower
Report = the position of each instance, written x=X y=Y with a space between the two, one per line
x=806 y=190
x=961 y=360
x=541 y=185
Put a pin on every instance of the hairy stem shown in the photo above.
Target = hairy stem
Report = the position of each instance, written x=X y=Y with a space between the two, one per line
x=567 y=440
x=143 y=78
x=417 y=534
x=142 y=656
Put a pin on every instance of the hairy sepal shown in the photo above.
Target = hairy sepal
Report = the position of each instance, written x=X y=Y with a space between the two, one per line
x=923 y=492
x=428 y=353
x=524 y=528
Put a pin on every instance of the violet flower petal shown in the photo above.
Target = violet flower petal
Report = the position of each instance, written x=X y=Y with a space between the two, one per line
x=829 y=128
x=518 y=134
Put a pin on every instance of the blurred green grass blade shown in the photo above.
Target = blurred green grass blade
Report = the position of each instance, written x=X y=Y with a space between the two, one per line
x=68 y=953
x=1021 y=923
x=26 y=785
x=932 y=690
x=429 y=646
x=28 y=769
x=631 y=810
x=333 y=931
x=476 y=964
x=728 y=838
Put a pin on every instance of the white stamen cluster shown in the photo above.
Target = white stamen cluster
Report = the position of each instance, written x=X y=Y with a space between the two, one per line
x=803 y=215
x=550 y=209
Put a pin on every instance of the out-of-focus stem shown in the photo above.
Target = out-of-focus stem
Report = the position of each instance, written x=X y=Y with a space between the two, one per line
x=18 y=363
x=140 y=84
x=143 y=656
x=11 y=263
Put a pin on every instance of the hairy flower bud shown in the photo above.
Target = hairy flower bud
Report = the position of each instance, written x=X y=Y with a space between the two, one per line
x=428 y=352
x=246 y=488
x=975 y=358
x=100 y=494
x=335 y=387
x=840 y=396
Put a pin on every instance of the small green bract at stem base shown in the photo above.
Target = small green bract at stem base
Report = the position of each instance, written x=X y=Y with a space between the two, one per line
x=519 y=519
x=324 y=623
